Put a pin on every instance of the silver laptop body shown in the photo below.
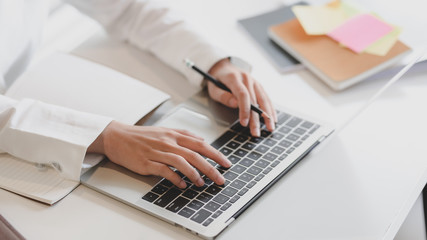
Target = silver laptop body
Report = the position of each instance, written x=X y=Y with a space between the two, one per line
x=191 y=210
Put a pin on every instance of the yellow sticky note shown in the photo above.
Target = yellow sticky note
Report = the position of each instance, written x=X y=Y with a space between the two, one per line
x=384 y=44
x=319 y=20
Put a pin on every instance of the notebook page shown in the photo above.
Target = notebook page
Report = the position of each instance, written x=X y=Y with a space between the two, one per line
x=25 y=179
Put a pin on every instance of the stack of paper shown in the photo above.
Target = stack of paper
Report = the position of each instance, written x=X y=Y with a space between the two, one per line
x=349 y=26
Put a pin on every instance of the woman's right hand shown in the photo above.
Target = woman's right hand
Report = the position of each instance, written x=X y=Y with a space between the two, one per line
x=150 y=150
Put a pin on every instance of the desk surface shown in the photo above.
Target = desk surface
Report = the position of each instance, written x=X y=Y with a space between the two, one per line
x=362 y=190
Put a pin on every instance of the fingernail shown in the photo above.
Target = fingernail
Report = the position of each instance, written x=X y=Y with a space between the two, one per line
x=220 y=179
x=182 y=184
x=227 y=163
x=200 y=182
x=245 y=122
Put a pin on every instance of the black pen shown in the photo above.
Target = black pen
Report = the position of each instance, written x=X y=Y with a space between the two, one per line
x=219 y=84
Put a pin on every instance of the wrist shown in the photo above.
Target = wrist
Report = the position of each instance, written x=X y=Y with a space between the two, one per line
x=98 y=146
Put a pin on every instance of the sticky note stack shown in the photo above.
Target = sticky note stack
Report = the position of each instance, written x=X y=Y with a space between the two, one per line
x=339 y=43
x=360 y=32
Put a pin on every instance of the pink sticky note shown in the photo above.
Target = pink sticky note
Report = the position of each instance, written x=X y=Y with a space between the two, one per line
x=359 y=32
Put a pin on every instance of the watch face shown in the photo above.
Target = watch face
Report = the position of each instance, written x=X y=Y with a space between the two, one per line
x=240 y=63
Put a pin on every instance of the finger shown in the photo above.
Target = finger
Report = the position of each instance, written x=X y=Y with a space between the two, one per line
x=162 y=170
x=190 y=152
x=222 y=96
x=206 y=150
x=200 y=163
x=254 y=124
x=179 y=162
x=234 y=83
x=265 y=104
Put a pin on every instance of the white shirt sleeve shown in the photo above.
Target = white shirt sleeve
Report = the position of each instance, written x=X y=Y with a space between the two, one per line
x=48 y=134
x=154 y=28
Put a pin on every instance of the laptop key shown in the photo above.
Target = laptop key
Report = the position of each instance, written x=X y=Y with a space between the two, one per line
x=204 y=197
x=233 y=159
x=265 y=133
x=225 y=151
x=262 y=163
x=234 y=199
x=199 y=189
x=220 y=198
x=277 y=136
x=262 y=149
x=297 y=144
x=233 y=145
x=285 y=143
x=207 y=222
x=166 y=183
x=213 y=189
x=246 y=177
x=307 y=124
x=251 y=184
x=293 y=122
x=270 y=142
x=290 y=150
x=176 y=205
x=267 y=170
x=284 y=130
x=292 y=137
x=248 y=146
x=246 y=162
x=275 y=163
x=150 y=196
x=314 y=129
x=254 y=155
x=223 y=139
x=240 y=152
x=212 y=206
x=256 y=139
x=196 y=205
x=259 y=177
x=229 y=191
x=283 y=156
x=270 y=157
x=225 y=206
x=278 y=150
x=201 y=216
x=283 y=118
x=238 y=169
x=238 y=184
x=254 y=170
x=190 y=194
x=159 y=189
x=230 y=175
x=300 y=131
x=186 y=212
x=241 y=138
x=168 y=197
x=243 y=191
x=217 y=214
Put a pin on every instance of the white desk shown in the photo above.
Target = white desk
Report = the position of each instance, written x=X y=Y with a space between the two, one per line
x=341 y=197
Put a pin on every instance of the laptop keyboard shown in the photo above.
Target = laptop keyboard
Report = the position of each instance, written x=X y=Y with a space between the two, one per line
x=252 y=158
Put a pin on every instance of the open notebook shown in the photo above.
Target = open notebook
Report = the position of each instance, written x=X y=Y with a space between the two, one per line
x=76 y=83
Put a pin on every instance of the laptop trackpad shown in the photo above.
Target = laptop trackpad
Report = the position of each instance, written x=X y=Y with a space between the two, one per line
x=197 y=123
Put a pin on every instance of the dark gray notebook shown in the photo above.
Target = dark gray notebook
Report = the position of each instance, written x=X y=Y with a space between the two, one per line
x=257 y=27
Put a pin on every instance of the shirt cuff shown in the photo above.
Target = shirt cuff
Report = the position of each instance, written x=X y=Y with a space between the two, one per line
x=52 y=135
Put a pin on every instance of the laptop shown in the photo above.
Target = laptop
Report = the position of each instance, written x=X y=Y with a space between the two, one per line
x=258 y=163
